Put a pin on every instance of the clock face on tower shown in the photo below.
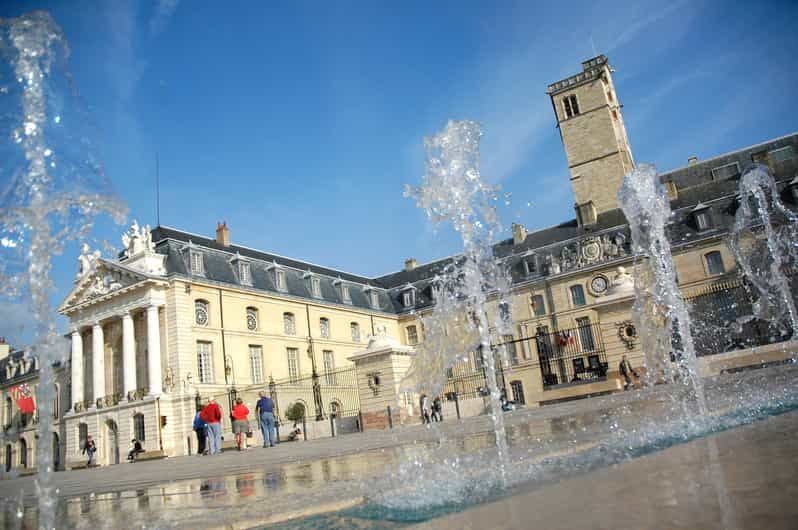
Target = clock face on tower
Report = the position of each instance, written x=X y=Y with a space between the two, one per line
x=599 y=284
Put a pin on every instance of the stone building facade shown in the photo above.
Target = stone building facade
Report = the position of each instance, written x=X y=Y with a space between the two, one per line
x=176 y=317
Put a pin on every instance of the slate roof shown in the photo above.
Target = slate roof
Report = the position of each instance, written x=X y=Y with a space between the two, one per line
x=695 y=183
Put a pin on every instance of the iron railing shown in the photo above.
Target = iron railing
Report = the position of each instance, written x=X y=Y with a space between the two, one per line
x=570 y=356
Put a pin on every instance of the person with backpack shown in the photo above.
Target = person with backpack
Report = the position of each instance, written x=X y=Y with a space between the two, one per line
x=212 y=416
x=265 y=412
x=201 y=430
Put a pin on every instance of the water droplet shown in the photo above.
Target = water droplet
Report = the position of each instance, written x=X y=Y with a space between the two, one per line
x=48 y=152
x=57 y=119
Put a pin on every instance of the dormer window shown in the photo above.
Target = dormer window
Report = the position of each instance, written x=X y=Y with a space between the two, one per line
x=244 y=273
x=726 y=171
x=197 y=264
x=374 y=298
x=279 y=279
x=702 y=217
x=345 y=296
x=409 y=298
x=315 y=286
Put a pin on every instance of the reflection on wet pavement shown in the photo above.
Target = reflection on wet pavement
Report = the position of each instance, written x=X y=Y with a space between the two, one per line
x=392 y=486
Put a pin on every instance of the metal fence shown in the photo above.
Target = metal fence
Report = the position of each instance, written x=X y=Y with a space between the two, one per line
x=569 y=356
x=330 y=393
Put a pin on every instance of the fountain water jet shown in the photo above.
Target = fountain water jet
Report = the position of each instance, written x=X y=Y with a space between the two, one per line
x=775 y=302
x=659 y=308
x=454 y=191
x=48 y=201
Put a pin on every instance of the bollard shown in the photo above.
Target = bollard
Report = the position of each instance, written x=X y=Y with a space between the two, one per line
x=457 y=405
x=332 y=425
x=360 y=420
x=390 y=419
x=304 y=429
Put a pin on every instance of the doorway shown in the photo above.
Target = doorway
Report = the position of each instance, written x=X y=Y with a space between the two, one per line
x=112 y=442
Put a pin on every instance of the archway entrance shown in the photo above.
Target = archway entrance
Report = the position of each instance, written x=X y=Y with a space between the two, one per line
x=112 y=442
x=56 y=452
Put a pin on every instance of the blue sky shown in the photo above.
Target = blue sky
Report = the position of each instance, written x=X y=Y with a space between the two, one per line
x=300 y=122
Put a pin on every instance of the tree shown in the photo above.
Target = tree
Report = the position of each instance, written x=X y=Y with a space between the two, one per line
x=295 y=412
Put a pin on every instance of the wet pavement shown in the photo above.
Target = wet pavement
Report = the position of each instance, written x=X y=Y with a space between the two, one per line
x=390 y=479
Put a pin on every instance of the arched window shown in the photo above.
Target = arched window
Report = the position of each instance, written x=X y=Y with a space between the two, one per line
x=201 y=312
x=289 y=324
x=324 y=327
x=23 y=453
x=138 y=427
x=252 y=319
x=355 y=328
x=335 y=408
x=8 y=411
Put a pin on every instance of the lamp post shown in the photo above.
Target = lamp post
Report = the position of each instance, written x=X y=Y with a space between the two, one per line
x=317 y=402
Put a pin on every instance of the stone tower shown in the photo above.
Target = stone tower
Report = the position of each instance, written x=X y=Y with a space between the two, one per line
x=592 y=131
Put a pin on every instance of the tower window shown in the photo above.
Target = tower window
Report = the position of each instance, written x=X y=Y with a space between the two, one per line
x=571 y=106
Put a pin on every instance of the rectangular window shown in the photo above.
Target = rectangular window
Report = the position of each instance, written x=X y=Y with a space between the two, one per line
x=204 y=368
x=256 y=363
x=279 y=279
x=315 y=287
x=345 y=293
x=578 y=295
x=83 y=435
x=412 y=335
x=244 y=273
x=138 y=427
x=714 y=263
x=293 y=364
x=726 y=172
x=289 y=324
x=585 y=334
x=355 y=329
x=324 y=328
x=329 y=367
x=197 y=265
x=571 y=106
x=512 y=353
x=782 y=153
x=538 y=305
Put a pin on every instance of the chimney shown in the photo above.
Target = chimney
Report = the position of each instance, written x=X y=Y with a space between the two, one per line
x=223 y=234
x=673 y=191
x=519 y=233
x=4 y=348
x=410 y=264
x=693 y=160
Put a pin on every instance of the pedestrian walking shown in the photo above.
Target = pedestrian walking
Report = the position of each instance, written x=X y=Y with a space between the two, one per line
x=212 y=416
x=425 y=412
x=265 y=411
x=89 y=448
x=240 y=416
x=437 y=409
x=627 y=372
x=201 y=430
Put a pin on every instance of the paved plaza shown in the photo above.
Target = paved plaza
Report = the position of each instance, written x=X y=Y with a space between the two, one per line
x=296 y=483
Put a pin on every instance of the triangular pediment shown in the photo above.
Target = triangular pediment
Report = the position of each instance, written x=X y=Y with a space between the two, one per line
x=106 y=279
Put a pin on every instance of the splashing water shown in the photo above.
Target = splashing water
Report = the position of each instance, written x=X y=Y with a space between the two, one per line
x=765 y=274
x=659 y=308
x=52 y=188
x=454 y=191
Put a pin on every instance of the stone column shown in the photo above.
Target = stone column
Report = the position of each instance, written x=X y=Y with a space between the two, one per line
x=97 y=363
x=154 y=350
x=77 y=368
x=128 y=355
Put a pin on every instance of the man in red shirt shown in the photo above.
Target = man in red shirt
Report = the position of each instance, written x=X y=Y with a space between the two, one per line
x=212 y=416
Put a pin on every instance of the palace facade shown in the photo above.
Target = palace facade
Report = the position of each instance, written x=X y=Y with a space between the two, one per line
x=176 y=316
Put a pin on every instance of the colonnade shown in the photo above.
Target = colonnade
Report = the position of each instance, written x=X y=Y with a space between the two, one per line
x=129 y=383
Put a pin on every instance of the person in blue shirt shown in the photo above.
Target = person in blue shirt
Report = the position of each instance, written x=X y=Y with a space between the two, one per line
x=200 y=428
x=265 y=411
